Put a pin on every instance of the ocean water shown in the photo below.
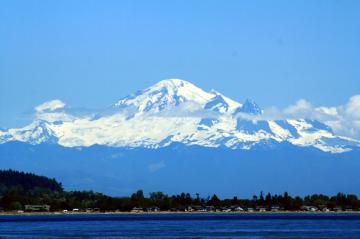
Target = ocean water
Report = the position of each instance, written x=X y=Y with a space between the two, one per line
x=257 y=226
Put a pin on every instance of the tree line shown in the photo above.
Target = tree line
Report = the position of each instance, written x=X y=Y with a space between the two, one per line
x=18 y=189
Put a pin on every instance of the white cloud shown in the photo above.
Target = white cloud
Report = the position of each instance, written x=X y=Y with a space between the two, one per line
x=353 y=107
x=49 y=111
x=55 y=116
x=156 y=166
x=348 y=121
x=327 y=110
x=50 y=106
x=343 y=119
x=301 y=107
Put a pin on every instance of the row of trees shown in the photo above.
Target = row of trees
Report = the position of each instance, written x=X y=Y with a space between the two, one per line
x=15 y=200
x=268 y=201
x=18 y=189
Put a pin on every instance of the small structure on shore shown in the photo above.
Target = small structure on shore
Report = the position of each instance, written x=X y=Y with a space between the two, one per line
x=261 y=209
x=137 y=210
x=275 y=208
x=250 y=209
x=237 y=209
x=153 y=209
x=91 y=210
x=309 y=208
x=37 y=208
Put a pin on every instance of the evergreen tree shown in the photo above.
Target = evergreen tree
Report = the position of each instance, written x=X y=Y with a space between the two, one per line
x=214 y=201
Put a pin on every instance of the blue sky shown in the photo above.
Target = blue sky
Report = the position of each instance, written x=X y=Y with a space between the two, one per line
x=91 y=53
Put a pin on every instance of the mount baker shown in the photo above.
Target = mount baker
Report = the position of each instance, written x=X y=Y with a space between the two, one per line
x=175 y=111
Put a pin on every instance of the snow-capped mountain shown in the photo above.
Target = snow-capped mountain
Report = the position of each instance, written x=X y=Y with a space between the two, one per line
x=176 y=111
x=167 y=94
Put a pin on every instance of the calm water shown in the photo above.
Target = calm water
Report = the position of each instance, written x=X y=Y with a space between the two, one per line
x=182 y=226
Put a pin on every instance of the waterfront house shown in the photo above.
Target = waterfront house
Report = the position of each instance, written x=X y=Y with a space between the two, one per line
x=325 y=209
x=250 y=209
x=137 y=210
x=153 y=209
x=237 y=209
x=225 y=209
x=275 y=208
x=337 y=209
x=210 y=208
x=261 y=209
x=37 y=208
x=199 y=208
x=309 y=208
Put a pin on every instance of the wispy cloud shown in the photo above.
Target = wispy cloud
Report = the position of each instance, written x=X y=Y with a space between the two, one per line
x=52 y=111
x=156 y=166
x=50 y=106
x=343 y=119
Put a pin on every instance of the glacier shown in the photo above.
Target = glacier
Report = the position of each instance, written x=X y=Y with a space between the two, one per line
x=175 y=111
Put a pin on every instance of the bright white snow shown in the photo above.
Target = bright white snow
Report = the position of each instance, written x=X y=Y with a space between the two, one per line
x=172 y=111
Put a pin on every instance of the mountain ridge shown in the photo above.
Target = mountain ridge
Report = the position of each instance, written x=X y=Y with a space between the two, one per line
x=176 y=111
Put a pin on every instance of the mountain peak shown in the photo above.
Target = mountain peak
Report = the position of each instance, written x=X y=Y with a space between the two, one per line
x=172 y=83
x=175 y=111
x=218 y=104
x=160 y=131
x=165 y=94
x=249 y=107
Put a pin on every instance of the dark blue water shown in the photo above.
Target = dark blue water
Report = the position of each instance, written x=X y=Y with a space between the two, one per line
x=182 y=226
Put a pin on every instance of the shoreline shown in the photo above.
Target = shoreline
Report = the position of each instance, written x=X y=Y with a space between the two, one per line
x=167 y=213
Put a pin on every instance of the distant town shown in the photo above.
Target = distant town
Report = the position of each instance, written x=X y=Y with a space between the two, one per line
x=29 y=193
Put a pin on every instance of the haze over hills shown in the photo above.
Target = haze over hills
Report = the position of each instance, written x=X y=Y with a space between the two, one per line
x=175 y=111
